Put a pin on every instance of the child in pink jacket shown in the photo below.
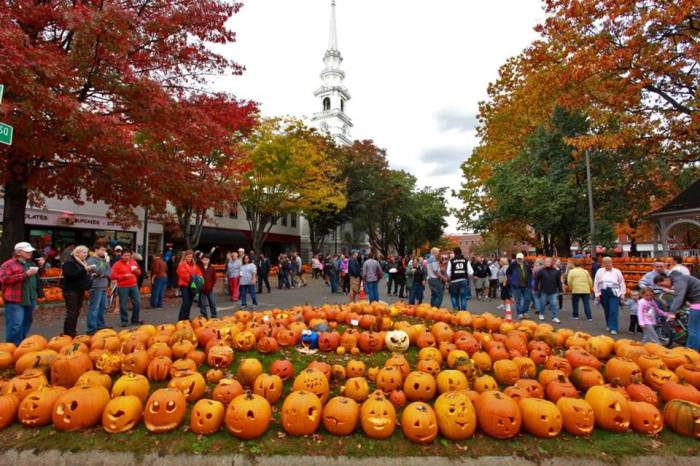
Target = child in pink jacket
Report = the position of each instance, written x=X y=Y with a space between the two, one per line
x=647 y=309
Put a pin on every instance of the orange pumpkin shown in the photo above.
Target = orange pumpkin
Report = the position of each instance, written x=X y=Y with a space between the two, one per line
x=498 y=415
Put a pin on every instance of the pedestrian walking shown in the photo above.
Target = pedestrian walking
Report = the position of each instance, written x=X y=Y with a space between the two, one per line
x=125 y=272
x=20 y=289
x=101 y=277
x=548 y=284
x=371 y=275
x=283 y=272
x=519 y=276
x=159 y=281
x=459 y=272
x=647 y=310
x=481 y=277
x=248 y=281
x=233 y=275
x=207 y=299
x=76 y=281
x=263 y=265
x=580 y=284
x=609 y=287
x=187 y=269
x=436 y=279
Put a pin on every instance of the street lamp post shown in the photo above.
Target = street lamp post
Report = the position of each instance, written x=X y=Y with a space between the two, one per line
x=589 y=182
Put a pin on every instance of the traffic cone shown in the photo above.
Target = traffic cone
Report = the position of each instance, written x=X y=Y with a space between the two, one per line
x=508 y=311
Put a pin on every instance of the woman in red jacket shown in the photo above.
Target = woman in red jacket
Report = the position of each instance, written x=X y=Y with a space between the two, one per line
x=186 y=269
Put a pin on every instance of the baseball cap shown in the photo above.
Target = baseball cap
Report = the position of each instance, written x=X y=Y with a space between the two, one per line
x=24 y=246
x=520 y=256
x=118 y=248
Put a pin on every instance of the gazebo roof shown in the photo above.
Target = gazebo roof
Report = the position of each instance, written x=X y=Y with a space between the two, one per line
x=689 y=199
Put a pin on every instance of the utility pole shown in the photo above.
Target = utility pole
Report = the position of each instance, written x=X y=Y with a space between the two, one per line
x=589 y=182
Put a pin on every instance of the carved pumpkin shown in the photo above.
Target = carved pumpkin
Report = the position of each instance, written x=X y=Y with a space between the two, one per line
x=79 y=407
x=328 y=341
x=506 y=372
x=42 y=359
x=248 y=370
x=267 y=345
x=683 y=417
x=378 y=417
x=428 y=366
x=541 y=418
x=559 y=388
x=611 y=408
x=356 y=388
x=244 y=341
x=220 y=356
x=321 y=366
x=419 y=422
x=580 y=357
x=248 y=416
x=269 y=387
x=641 y=392
x=679 y=391
x=136 y=362
x=36 y=408
x=226 y=390
x=340 y=415
x=25 y=383
x=165 y=410
x=485 y=383
x=355 y=368
x=206 y=417
x=645 y=418
x=109 y=363
x=312 y=380
x=498 y=415
x=370 y=342
x=397 y=398
x=450 y=380
x=533 y=388
x=419 y=386
x=301 y=412
x=516 y=393
x=191 y=385
x=622 y=371
x=455 y=415
x=159 y=369
x=159 y=349
x=577 y=415
x=656 y=377
x=338 y=372
x=397 y=341
x=585 y=377
x=399 y=361
x=95 y=378
x=122 y=413
x=214 y=375
x=559 y=363
x=283 y=368
x=8 y=409
x=131 y=384
x=430 y=353
x=690 y=373
x=389 y=379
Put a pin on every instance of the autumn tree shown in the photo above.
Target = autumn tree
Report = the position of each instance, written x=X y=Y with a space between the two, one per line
x=288 y=172
x=83 y=78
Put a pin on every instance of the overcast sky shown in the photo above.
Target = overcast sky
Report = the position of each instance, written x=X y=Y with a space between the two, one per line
x=416 y=70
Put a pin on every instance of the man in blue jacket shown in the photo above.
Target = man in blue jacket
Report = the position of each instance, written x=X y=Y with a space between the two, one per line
x=519 y=275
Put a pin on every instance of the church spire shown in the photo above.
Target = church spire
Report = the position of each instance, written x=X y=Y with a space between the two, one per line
x=333 y=33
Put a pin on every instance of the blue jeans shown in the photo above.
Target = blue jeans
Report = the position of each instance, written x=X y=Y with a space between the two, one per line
x=158 y=291
x=522 y=297
x=207 y=300
x=334 y=282
x=459 y=295
x=135 y=297
x=586 y=298
x=437 y=290
x=551 y=299
x=611 y=306
x=694 y=329
x=96 y=309
x=415 y=294
x=248 y=289
x=18 y=321
x=186 y=305
x=372 y=290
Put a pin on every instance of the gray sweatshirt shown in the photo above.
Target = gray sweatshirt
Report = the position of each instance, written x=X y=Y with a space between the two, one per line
x=685 y=288
x=101 y=274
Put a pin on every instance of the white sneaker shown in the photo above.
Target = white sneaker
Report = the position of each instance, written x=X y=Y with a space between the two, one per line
x=556 y=320
x=607 y=329
x=541 y=317
x=589 y=320
x=613 y=332
x=574 y=318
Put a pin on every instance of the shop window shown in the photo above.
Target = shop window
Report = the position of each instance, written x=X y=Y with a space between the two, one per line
x=233 y=210
x=293 y=218
x=284 y=220
x=219 y=210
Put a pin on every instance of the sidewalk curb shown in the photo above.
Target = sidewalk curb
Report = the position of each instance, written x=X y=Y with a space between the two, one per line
x=101 y=458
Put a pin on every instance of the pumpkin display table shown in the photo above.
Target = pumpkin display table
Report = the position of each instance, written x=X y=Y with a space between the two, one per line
x=353 y=379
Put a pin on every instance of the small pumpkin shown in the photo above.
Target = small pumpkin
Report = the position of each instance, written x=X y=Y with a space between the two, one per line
x=192 y=385
x=283 y=368
x=269 y=387
x=378 y=417
x=122 y=414
x=207 y=416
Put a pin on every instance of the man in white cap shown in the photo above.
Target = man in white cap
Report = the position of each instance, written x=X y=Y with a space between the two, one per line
x=20 y=289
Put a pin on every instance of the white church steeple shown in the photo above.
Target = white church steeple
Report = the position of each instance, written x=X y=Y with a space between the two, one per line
x=332 y=95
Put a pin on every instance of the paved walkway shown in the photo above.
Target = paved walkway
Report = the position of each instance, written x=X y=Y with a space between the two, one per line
x=48 y=321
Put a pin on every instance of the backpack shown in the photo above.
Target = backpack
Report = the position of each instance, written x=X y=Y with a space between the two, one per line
x=196 y=285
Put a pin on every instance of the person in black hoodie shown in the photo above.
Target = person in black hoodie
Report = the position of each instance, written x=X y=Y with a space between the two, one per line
x=263 y=264
x=76 y=281
x=548 y=284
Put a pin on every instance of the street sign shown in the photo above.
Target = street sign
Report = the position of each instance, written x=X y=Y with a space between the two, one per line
x=6 y=134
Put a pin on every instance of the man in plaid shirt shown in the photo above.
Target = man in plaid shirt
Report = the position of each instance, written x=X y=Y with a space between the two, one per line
x=20 y=288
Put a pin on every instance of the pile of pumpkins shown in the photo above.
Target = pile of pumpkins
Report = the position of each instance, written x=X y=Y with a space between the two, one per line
x=471 y=371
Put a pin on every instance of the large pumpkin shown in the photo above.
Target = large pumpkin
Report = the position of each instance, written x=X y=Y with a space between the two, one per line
x=419 y=386
x=498 y=415
x=192 y=385
x=122 y=413
x=136 y=362
x=25 y=383
x=356 y=388
x=645 y=418
x=301 y=413
x=283 y=368
x=455 y=415
x=248 y=416
x=683 y=417
x=378 y=417
x=577 y=415
x=220 y=356
x=79 y=407
x=314 y=381
x=611 y=408
x=541 y=418
x=269 y=387
x=419 y=422
x=340 y=415
x=679 y=391
x=207 y=416
x=131 y=384
x=36 y=408
x=585 y=377
x=165 y=410
x=450 y=380
x=622 y=371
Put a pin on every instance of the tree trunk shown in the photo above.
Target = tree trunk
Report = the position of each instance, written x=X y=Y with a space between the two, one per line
x=15 y=206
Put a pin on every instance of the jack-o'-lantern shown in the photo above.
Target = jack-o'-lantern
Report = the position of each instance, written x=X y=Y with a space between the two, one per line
x=533 y=388
x=226 y=390
x=340 y=415
x=370 y=342
x=181 y=348
x=301 y=413
x=398 y=398
x=622 y=371
x=159 y=369
x=356 y=388
x=159 y=349
x=244 y=341
x=348 y=340
x=419 y=386
x=283 y=368
x=683 y=417
x=312 y=380
x=690 y=373
x=482 y=361
x=36 y=408
x=679 y=391
x=136 y=362
x=165 y=410
x=338 y=372
x=267 y=345
x=541 y=418
x=485 y=383
x=451 y=380
x=399 y=361
x=584 y=377
x=455 y=415
x=426 y=340
x=8 y=409
x=442 y=332
x=498 y=415
x=397 y=341
x=248 y=416
x=220 y=356
x=428 y=366
x=122 y=414
x=287 y=337
x=321 y=366
x=506 y=372
x=269 y=387
x=378 y=417
x=198 y=356
x=248 y=370
x=131 y=384
x=25 y=383
x=328 y=341
x=430 y=353
x=183 y=367
x=94 y=377
x=42 y=359
x=558 y=388
x=419 y=422
x=389 y=379
x=207 y=417
x=191 y=385
x=516 y=393
x=577 y=415
x=79 y=407
x=645 y=418
x=656 y=377
x=611 y=408
x=638 y=391
x=109 y=363
x=355 y=368
x=213 y=375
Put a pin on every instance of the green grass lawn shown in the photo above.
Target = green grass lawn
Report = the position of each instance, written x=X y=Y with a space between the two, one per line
x=601 y=445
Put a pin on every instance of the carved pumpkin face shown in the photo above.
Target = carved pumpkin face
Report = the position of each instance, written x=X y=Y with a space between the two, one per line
x=378 y=417
x=220 y=356
x=577 y=415
x=312 y=380
x=267 y=345
x=645 y=418
x=355 y=368
x=35 y=409
x=269 y=387
x=397 y=341
x=485 y=383
x=95 y=378
x=338 y=372
x=206 y=417
x=131 y=384
x=136 y=362
x=389 y=379
x=419 y=386
x=159 y=368
x=248 y=416
x=301 y=413
x=328 y=341
x=8 y=409
x=348 y=340
x=79 y=407
x=399 y=361
x=451 y=380
x=244 y=341
x=226 y=390
x=165 y=410
x=340 y=415
x=610 y=407
x=533 y=388
x=498 y=415
x=656 y=377
x=370 y=342
x=183 y=367
x=455 y=415
x=283 y=368
x=356 y=388
x=429 y=366
x=191 y=385
x=541 y=418
x=419 y=422
x=25 y=383
x=321 y=366
x=122 y=413
x=506 y=372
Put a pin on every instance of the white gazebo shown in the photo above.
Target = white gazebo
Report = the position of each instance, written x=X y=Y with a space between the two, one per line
x=682 y=209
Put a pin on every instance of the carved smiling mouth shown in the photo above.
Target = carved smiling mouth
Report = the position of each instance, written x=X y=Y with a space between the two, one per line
x=378 y=422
